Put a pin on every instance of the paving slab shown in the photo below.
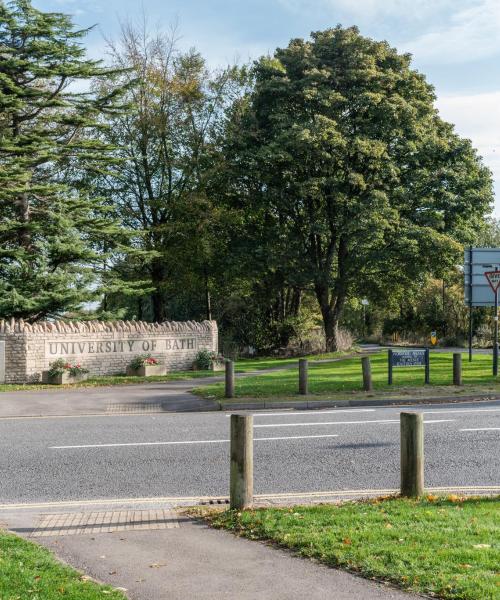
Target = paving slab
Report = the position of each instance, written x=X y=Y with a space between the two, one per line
x=196 y=562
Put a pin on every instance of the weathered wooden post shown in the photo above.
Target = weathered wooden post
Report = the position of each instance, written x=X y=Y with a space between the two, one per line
x=412 y=454
x=241 y=476
x=229 y=392
x=303 y=376
x=367 y=374
x=457 y=368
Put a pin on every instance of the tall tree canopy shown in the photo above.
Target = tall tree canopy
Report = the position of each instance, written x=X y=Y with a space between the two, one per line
x=52 y=229
x=165 y=148
x=349 y=180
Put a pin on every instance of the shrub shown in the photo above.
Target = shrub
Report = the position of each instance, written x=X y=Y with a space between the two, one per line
x=205 y=358
x=143 y=359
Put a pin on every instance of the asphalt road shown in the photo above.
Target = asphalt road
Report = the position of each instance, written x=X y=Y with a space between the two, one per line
x=186 y=454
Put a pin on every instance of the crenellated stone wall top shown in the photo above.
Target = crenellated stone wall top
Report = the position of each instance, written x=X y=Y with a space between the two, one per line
x=58 y=327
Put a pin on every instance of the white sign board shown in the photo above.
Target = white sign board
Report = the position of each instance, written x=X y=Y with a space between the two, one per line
x=478 y=261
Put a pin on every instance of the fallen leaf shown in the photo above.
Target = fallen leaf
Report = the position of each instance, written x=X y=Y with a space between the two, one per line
x=481 y=545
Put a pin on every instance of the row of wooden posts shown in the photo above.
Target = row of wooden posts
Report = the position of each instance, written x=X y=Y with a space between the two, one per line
x=241 y=473
x=365 y=367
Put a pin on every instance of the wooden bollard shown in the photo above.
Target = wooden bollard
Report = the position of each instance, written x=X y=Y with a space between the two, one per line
x=412 y=454
x=229 y=392
x=303 y=377
x=241 y=475
x=457 y=368
x=367 y=374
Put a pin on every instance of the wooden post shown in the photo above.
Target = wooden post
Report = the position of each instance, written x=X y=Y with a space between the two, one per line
x=229 y=379
x=241 y=475
x=457 y=368
x=412 y=454
x=367 y=374
x=303 y=377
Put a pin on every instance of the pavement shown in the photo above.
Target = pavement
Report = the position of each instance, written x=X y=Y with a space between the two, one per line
x=190 y=560
x=169 y=396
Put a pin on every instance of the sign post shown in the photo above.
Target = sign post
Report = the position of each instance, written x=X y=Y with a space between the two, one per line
x=409 y=358
x=493 y=278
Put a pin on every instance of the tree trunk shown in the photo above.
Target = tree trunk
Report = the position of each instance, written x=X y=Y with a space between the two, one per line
x=330 y=311
x=157 y=297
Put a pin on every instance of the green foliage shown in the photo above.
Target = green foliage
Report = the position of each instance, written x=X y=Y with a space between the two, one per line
x=54 y=231
x=346 y=178
x=204 y=359
x=60 y=366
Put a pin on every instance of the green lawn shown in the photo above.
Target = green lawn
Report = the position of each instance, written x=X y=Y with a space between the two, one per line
x=243 y=365
x=345 y=376
x=28 y=571
x=444 y=547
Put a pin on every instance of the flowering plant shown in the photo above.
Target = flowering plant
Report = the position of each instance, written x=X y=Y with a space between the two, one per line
x=143 y=360
x=60 y=366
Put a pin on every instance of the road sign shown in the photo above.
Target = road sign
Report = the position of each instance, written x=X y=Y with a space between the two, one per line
x=493 y=278
x=434 y=339
x=477 y=291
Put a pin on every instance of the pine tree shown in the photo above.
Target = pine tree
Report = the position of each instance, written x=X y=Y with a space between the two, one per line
x=53 y=229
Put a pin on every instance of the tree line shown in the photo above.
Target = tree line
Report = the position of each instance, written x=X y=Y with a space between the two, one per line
x=272 y=197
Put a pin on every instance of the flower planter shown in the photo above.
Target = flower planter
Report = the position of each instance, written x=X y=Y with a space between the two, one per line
x=218 y=366
x=63 y=378
x=147 y=370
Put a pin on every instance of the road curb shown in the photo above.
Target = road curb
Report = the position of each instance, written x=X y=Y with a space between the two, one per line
x=317 y=404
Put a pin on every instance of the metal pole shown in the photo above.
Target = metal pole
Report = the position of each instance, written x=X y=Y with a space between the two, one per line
x=495 y=339
x=241 y=475
x=389 y=367
x=470 y=303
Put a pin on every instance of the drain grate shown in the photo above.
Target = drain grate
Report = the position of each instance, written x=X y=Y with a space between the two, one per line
x=215 y=501
x=105 y=522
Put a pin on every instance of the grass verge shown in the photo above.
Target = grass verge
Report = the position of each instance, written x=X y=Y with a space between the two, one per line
x=444 y=547
x=242 y=366
x=345 y=376
x=30 y=571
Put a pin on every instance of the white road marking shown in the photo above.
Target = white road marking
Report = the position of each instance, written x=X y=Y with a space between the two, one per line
x=482 y=429
x=471 y=410
x=343 y=423
x=312 y=412
x=290 y=437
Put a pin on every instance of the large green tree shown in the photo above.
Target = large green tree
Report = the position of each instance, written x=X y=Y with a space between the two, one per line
x=348 y=178
x=53 y=229
x=165 y=147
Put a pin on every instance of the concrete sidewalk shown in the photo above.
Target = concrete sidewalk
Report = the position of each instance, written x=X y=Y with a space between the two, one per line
x=191 y=561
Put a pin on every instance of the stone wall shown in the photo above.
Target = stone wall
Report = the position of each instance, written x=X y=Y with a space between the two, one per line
x=103 y=347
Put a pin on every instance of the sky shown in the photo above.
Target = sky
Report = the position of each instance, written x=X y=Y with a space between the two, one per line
x=455 y=43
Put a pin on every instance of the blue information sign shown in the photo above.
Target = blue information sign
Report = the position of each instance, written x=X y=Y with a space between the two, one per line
x=409 y=358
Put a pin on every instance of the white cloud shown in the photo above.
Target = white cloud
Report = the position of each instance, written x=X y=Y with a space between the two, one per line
x=472 y=33
x=477 y=117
